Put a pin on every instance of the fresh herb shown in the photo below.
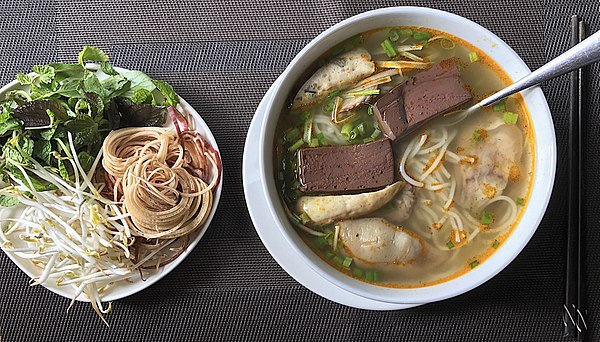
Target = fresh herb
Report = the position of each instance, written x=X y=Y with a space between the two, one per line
x=371 y=276
x=473 y=57
x=393 y=35
x=90 y=53
x=520 y=201
x=496 y=244
x=8 y=201
x=388 y=47
x=338 y=260
x=474 y=264
x=347 y=262
x=450 y=245
x=314 y=142
x=296 y=145
x=486 y=218
x=510 y=118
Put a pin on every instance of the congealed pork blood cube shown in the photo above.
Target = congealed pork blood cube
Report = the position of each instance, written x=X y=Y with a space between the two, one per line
x=423 y=97
x=346 y=169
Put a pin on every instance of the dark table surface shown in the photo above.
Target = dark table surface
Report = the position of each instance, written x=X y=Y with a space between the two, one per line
x=222 y=56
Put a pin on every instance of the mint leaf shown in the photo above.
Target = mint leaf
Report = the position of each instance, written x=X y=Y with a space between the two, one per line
x=62 y=170
x=91 y=83
x=8 y=201
x=9 y=125
x=167 y=91
x=85 y=160
x=25 y=146
x=90 y=53
x=12 y=153
x=24 y=79
x=108 y=69
x=45 y=72
x=42 y=150
x=84 y=130
x=140 y=96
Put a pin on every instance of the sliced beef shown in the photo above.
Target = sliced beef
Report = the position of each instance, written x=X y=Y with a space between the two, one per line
x=423 y=97
x=346 y=169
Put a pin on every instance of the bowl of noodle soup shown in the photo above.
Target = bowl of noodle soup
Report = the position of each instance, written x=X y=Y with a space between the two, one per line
x=316 y=234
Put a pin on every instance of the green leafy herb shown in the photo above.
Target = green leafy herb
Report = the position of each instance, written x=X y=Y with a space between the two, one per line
x=108 y=69
x=8 y=201
x=45 y=73
x=167 y=91
x=90 y=53
x=86 y=160
x=140 y=96
x=8 y=126
x=24 y=79
x=510 y=118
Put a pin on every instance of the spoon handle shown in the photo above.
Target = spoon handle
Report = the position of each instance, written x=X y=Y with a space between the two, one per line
x=580 y=55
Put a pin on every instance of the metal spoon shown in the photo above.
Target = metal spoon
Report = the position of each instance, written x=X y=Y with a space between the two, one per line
x=580 y=55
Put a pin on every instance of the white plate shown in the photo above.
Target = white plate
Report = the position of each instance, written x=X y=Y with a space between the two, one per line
x=274 y=241
x=123 y=289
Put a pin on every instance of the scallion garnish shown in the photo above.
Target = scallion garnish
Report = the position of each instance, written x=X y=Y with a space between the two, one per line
x=520 y=201
x=296 y=145
x=329 y=255
x=322 y=139
x=314 y=142
x=338 y=260
x=368 y=140
x=347 y=262
x=371 y=276
x=473 y=57
x=474 y=264
x=357 y=272
x=499 y=107
x=375 y=134
x=308 y=129
x=388 y=47
x=450 y=245
x=486 y=218
x=496 y=244
x=393 y=35
x=370 y=110
x=510 y=118
x=347 y=128
x=334 y=94
x=420 y=36
x=330 y=106
x=321 y=242
x=304 y=218
x=292 y=135
x=365 y=92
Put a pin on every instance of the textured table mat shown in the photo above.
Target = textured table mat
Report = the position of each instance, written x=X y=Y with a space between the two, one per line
x=222 y=56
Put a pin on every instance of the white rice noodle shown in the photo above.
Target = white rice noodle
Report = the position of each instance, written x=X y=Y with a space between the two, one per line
x=508 y=219
x=403 y=172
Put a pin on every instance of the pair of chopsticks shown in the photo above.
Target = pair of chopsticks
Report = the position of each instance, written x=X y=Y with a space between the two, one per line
x=574 y=315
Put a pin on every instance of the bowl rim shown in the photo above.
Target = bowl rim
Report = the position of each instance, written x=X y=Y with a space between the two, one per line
x=522 y=233
x=138 y=285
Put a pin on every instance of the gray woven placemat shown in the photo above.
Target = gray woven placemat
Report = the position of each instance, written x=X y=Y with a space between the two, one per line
x=222 y=56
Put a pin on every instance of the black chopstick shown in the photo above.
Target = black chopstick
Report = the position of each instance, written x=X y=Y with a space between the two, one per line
x=573 y=315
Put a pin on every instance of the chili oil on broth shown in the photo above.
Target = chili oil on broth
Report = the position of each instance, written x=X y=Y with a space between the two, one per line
x=435 y=265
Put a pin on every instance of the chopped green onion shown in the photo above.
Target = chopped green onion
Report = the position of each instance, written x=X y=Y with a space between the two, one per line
x=292 y=135
x=334 y=94
x=499 y=107
x=322 y=139
x=420 y=36
x=520 y=201
x=496 y=244
x=329 y=255
x=473 y=57
x=375 y=134
x=368 y=140
x=361 y=128
x=354 y=133
x=474 y=264
x=357 y=272
x=393 y=35
x=304 y=218
x=338 y=260
x=370 y=110
x=314 y=142
x=388 y=47
x=371 y=276
x=329 y=106
x=365 y=92
x=296 y=145
x=476 y=136
x=321 y=242
x=405 y=33
x=308 y=130
x=347 y=262
x=450 y=245
x=346 y=128
x=486 y=218
x=510 y=118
